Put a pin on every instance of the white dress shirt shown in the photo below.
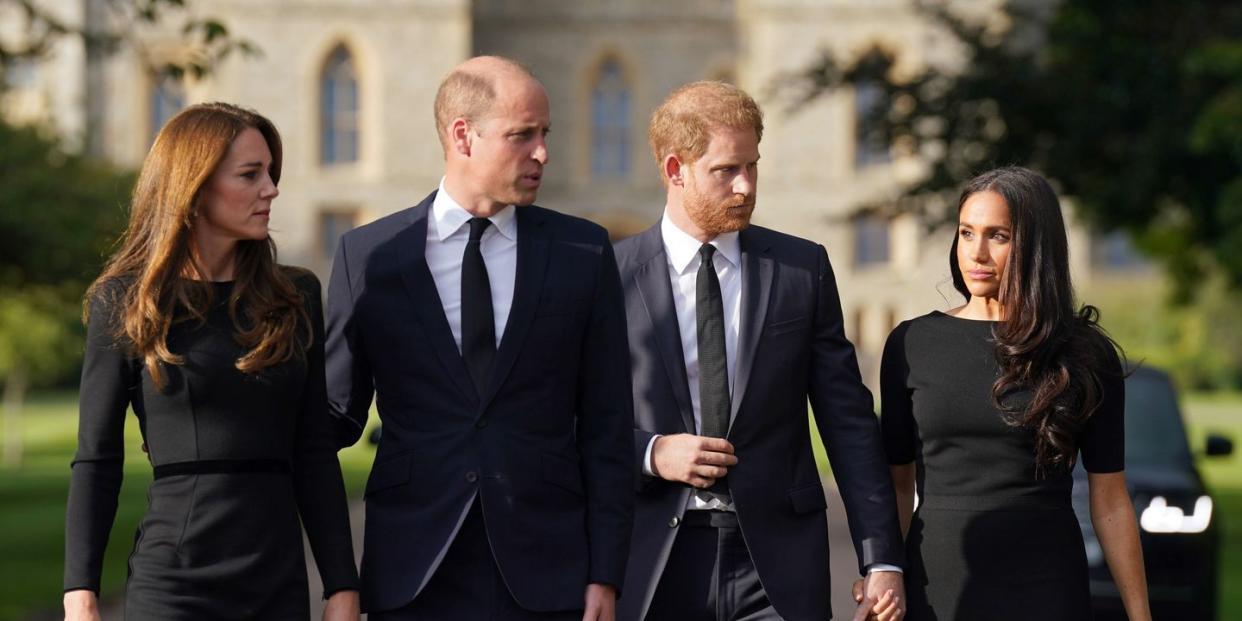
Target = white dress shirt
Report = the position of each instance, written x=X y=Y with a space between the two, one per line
x=447 y=234
x=682 y=254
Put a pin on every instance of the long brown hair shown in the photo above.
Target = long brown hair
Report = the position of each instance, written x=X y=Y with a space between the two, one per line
x=154 y=257
x=1043 y=345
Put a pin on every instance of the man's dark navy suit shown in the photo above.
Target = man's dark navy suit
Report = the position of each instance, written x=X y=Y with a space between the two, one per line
x=791 y=348
x=547 y=446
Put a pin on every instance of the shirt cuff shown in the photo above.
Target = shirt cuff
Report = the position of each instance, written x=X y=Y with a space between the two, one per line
x=647 y=467
x=874 y=567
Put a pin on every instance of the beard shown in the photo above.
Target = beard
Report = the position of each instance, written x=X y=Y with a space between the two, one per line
x=715 y=218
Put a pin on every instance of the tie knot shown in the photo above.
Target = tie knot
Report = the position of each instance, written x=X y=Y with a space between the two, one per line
x=706 y=252
x=477 y=226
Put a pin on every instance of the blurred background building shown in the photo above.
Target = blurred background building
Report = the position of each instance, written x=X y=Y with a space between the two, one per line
x=350 y=84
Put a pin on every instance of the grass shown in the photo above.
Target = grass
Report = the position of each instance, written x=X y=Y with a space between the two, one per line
x=32 y=500
x=1222 y=413
x=32 y=506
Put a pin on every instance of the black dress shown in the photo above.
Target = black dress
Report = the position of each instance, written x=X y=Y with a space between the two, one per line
x=991 y=538
x=238 y=459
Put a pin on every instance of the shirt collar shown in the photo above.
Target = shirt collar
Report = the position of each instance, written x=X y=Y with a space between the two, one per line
x=682 y=249
x=449 y=217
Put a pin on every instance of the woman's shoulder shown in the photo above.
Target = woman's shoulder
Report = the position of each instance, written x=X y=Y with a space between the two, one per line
x=305 y=280
x=110 y=292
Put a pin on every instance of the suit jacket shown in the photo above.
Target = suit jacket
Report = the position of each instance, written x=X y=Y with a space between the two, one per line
x=546 y=447
x=791 y=348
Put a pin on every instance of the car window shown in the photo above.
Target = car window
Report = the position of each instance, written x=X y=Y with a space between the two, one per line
x=1154 y=431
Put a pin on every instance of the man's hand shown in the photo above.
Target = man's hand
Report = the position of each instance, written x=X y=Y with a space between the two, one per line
x=696 y=460
x=342 y=606
x=81 y=605
x=881 y=597
x=601 y=603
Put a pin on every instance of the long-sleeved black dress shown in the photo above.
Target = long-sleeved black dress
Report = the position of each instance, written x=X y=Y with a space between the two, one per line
x=238 y=459
x=990 y=538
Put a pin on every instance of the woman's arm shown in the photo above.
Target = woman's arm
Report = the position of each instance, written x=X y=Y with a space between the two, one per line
x=1112 y=515
x=903 y=484
x=318 y=485
x=81 y=605
x=108 y=383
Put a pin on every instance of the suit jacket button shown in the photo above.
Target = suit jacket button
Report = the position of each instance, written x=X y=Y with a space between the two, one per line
x=472 y=476
x=674 y=522
x=481 y=424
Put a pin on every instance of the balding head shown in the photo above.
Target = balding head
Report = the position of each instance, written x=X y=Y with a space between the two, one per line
x=470 y=89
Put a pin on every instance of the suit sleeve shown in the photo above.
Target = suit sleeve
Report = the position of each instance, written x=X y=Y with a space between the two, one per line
x=109 y=382
x=318 y=484
x=843 y=413
x=605 y=428
x=350 y=384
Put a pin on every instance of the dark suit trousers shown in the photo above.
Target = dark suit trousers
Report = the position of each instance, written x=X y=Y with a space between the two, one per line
x=468 y=586
x=709 y=575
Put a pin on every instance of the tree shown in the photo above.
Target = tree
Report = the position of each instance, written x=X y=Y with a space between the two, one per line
x=115 y=24
x=1134 y=108
x=58 y=210
x=58 y=214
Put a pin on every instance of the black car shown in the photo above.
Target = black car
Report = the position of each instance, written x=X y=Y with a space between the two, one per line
x=1177 y=524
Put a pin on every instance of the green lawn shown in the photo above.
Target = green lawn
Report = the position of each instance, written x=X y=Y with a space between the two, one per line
x=1222 y=413
x=32 y=501
x=32 y=506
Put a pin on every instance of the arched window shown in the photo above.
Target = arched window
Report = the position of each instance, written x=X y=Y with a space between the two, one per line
x=167 y=99
x=869 y=106
x=610 y=123
x=338 y=109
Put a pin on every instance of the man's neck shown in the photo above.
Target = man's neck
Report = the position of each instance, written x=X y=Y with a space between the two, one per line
x=473 y=202
x=677 y=215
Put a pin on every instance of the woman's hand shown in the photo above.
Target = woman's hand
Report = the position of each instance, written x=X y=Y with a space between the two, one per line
x=342 y=606
x=81 y=605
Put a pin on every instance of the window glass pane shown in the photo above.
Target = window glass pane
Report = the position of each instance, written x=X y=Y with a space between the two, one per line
x=869 y=145
x=871 y=240
x=167 y=99
x=332 y=225
x=610 y=120
x=338 y=113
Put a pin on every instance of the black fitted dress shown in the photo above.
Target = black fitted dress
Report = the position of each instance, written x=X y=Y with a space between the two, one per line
x=990 y=538
x=238 y=459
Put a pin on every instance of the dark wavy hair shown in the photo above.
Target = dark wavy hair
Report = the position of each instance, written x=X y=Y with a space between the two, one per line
x=1045 y=348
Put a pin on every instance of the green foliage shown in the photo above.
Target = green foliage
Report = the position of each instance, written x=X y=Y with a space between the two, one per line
x=58 y=212
x=58 y=215
x=1134 y=108
x=1198 y=343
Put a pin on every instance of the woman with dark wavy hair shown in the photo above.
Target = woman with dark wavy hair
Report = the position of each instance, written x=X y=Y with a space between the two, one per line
x=219 y=351
x=985 y=410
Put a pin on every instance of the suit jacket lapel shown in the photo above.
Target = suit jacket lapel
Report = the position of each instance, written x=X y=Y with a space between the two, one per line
x=532 y=264
x=657 y=294
x=428 y=308
x=757 y=276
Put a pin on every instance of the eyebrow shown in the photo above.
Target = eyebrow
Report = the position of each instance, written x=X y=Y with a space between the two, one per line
x=250 y=165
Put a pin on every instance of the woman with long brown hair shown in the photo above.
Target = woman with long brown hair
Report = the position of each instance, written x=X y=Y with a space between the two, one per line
x=219 y=351
x=985 y=410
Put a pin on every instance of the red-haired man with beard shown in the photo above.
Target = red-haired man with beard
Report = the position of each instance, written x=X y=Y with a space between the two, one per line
x=732 y=328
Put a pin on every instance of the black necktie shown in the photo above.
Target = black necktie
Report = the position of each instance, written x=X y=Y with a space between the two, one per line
x=714 y=402
x=478 y=325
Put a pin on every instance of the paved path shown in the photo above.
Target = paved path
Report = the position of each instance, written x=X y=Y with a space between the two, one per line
x=843 y=564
